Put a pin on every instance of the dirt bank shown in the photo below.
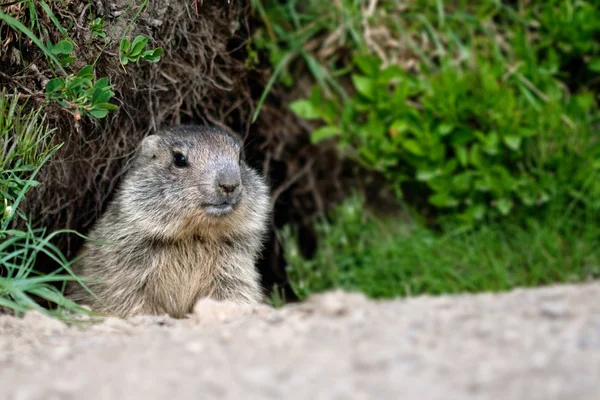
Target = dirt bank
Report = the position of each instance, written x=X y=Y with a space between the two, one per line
x=527 y=344
x=210 y=73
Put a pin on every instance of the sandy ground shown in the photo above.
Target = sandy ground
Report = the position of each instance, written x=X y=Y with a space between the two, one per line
x=526 y=344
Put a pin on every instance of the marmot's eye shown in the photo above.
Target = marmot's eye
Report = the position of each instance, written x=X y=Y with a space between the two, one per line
x=180 y=160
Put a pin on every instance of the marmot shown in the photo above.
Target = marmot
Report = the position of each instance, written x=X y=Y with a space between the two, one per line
x=187 y=221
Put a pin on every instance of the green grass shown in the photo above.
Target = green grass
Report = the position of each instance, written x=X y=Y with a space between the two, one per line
x=25 y=146
x=359 y=252
x=485 y=113
x=18 y=26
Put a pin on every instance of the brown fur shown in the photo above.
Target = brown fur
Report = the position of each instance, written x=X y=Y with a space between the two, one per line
x=157 y=249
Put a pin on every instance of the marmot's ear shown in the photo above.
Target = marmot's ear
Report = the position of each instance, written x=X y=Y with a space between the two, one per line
x=236 y=136
x=149 y=146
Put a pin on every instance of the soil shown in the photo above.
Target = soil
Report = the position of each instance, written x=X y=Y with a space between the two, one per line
x=526 y=344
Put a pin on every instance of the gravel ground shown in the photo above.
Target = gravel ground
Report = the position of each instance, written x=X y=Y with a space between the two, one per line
x=526 y=344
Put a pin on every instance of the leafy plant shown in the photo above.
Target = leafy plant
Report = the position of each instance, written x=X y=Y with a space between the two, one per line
x=471 y=133
x=62 y=50
x=82 y=93
x=97 y=28
x=133 y=51
x=570 y=28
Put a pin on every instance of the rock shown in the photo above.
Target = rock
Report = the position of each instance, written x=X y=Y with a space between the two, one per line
x=213 y=311
x=43 y=323
x=554 y=309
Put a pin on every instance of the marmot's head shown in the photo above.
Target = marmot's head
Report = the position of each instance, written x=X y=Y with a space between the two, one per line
x=192 y=180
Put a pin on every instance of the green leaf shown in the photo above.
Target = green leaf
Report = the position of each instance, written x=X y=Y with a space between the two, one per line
x=437 y=152
x=450 y=167
x=585 y=100
x=364 y=86
x=413 y=147
x=66 y=61
x=526 y=132
x=368 y=154
x=151 y=58
x=444 y=129
x=483 y=184
x=330 y=111
x=305 y=109
x=491 y=143
x=443 y=200
x=349 y=113
x=374 y=128
x=139 y=40
x=62 y=47
x=55 y=85
x=504 y=206
x=398 y=127
x=462 y=182
x=138 y=45
x=79 y=84
x=86 y=72
x=98 y=113
x=594 y=64
x=476 y=212
x=107 y=106
x=462 y=155
x=513 y=142
x=461 y=137
x=475 y=156
x=316 y=69
x=97 y=27
x=102 y=95
x=367 y=63
x=325 y=132
x=124 y=46
x=426 y=175
x=391 y=73
x=101 y=83
x=316 y=94
x=440 y=184
x=153 y=55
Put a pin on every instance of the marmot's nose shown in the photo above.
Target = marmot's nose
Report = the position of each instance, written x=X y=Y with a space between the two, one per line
x=228 y=187
x=229 y=180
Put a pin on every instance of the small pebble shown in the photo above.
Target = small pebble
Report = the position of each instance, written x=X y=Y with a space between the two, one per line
x=555 y=309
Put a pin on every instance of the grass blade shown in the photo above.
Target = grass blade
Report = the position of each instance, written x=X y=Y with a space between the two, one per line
x=17 y=25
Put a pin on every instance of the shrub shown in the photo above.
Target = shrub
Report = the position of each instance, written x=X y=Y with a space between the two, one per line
x=472 y=109
x=469 y=140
